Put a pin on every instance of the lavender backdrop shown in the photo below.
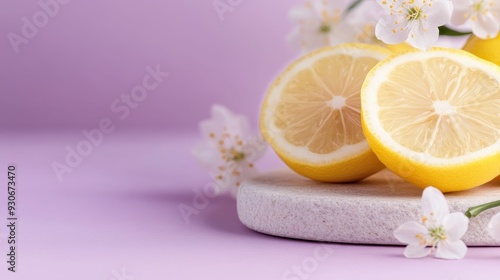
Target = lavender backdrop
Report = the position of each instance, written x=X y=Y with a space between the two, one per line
x=87 y=54
x=117 y=209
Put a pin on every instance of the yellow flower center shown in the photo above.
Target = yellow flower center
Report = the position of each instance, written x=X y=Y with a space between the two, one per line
x=325 y=28
x=437 y=234
x=414 y=13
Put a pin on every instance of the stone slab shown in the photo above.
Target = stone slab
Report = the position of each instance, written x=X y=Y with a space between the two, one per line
x=284 y=204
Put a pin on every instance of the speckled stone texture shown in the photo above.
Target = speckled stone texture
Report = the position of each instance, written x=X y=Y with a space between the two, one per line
x=285 y=204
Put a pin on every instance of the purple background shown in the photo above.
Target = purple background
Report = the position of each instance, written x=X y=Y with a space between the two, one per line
x=93 y=51
x=119 y=207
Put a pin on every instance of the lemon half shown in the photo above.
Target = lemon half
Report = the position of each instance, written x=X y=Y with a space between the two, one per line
x=433 y=118
x=311 y=114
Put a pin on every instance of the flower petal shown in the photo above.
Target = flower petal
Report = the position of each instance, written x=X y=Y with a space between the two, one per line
x=328 y=9
x=409 y=232
x=434 y=204
x=451 y=250
x=344 y=32
x=494 y=8
x=485 y=26
x=389 y=32
x=297 y=14
x=221 y=113
x=247 y=172
x=455 y=225
x=365 y=12
x=396 y=5
x=240 y=125
x=462 y=4
x=359 y=25
x=254 y=149
x=207 y=127
x=236 y=124
x=461 y=11
x=460 y=15
x=494 y=227
x=423 y=38
x=416 y=251
x=207 y=156
x=439 y=14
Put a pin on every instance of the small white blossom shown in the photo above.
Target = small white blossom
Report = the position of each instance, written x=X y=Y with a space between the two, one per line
x=483 y=16
x=359 y=25
x=414 y=21
x=315 y=22
x=228 y=150
x=494 y=227
x=437 y=228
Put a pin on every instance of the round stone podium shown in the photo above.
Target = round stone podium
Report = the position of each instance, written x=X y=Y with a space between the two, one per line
x=282 y=203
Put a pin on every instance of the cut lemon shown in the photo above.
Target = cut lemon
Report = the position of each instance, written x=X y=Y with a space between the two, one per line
x=311 y=114
x=485 y=49
x=433 y=118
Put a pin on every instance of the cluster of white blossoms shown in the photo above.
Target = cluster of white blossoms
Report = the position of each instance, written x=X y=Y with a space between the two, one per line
x=322 y=23
x=228 y=150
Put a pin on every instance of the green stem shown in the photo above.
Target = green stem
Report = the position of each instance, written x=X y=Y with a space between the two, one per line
x=476 y=210
x=446 y=31
x=352 y=6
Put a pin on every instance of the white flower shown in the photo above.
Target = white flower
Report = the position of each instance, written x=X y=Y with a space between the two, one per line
x=315 y=21
x=494 y=227
x=483 y=15
x=359 y=25
x=415 y=21
x=437 y=228
x=228 y=150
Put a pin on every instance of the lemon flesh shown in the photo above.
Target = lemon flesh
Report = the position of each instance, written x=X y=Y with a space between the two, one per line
x=433 y=118
x=311 y=114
